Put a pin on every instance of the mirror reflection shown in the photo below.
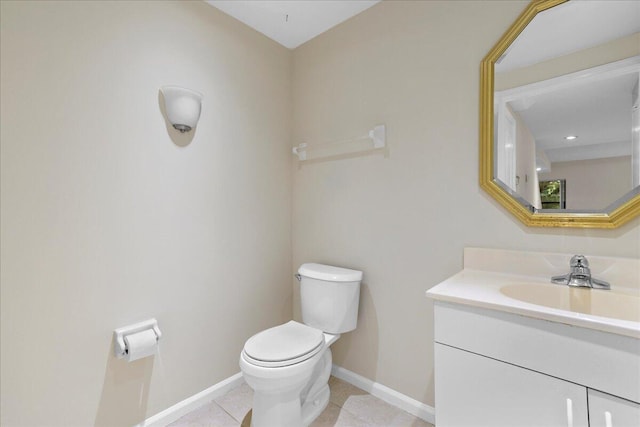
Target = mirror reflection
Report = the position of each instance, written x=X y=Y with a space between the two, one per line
x=567 y=123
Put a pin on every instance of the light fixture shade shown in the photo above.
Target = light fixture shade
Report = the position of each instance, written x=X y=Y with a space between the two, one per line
x=182 y=106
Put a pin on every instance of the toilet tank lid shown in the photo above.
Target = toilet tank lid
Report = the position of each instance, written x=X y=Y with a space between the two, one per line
x=329 y=273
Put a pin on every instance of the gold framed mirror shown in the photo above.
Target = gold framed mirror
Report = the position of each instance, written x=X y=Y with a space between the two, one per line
x=557 y=164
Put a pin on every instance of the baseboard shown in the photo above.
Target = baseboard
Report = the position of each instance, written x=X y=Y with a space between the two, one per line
x=412 y=406
x=180 y=409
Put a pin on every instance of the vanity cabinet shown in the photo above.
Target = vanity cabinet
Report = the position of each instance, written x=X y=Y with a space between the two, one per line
x=501 y=369
x=473 y=390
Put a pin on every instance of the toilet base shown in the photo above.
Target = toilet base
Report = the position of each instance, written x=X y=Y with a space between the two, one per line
x=276 y=410
x=296 y=406
x=313 y=408
x=316 y=397
x=310 y=412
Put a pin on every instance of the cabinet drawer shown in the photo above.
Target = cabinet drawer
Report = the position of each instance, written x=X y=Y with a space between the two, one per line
x=610 y=411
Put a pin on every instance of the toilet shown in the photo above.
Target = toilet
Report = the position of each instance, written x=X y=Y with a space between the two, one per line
x=288 y=366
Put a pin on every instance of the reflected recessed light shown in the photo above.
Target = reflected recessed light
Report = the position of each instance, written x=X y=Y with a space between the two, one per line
x=538 y=169
x=570 y=137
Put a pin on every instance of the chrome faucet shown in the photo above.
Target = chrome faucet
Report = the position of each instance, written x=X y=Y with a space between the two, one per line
x=580 y=275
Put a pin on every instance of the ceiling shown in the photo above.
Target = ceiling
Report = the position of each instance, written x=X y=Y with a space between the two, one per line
x=292 y=22
x=571 y=27
x=598 y=112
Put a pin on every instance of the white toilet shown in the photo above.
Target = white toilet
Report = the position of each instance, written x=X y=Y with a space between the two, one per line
x=288 y=366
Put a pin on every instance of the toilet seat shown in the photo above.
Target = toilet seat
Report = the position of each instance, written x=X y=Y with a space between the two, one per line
x=283 y=345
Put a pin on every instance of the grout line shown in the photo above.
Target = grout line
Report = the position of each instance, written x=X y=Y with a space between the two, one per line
x=399 y=400
x=227 y=412
x=359 y=417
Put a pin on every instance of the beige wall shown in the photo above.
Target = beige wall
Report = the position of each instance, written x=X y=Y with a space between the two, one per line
x=594 y=183
x=107 y=221
x=405 y=217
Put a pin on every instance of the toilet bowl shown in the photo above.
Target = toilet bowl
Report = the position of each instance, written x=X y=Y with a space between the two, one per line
x=289 y=390
x=288 y=366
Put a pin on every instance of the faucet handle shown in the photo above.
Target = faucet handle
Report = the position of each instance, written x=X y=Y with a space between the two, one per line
x=579 y=261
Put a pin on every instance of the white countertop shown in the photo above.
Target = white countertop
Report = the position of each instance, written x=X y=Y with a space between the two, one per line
x=478 y=288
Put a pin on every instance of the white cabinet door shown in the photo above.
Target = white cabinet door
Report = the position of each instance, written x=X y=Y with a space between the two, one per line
x=610 y=411
x=475 y=391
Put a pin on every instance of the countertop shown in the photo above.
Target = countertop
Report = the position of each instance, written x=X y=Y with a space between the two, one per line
x=483 y=289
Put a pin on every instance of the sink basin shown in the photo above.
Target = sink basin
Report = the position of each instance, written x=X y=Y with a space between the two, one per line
x=596 y=302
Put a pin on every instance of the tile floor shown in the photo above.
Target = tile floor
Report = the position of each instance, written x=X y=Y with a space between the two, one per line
x=348 y=406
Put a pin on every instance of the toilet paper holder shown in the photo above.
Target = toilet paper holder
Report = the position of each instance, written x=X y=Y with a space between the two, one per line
x=120 y=346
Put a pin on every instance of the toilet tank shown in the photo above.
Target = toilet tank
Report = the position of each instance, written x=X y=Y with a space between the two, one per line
x=329 y=297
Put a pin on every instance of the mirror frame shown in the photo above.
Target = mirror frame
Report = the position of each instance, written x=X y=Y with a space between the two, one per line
x=623 y=213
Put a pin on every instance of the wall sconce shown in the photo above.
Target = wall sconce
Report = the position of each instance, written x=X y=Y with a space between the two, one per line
x=182 y=106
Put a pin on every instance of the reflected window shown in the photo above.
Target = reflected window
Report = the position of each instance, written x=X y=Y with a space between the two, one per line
x=553 y=194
